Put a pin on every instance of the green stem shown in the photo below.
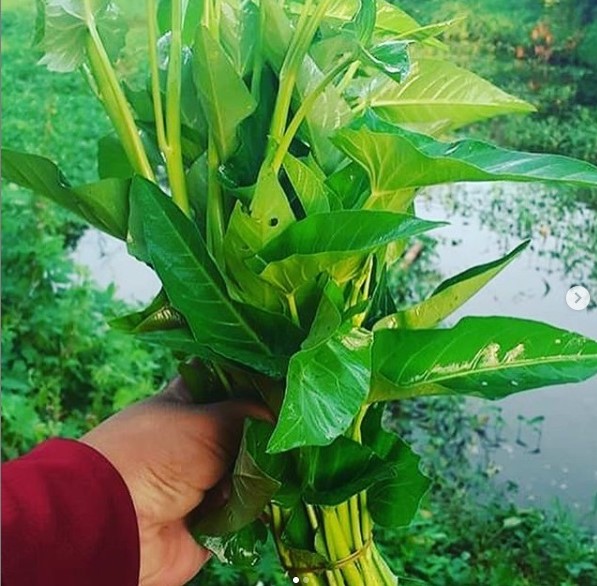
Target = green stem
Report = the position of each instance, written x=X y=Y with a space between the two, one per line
x=388 y=578
x=294 y=314
x=355 y=522
x=116 y=104
x=156 y=94
x=215 y=223
x=348 y=76
x=169 y=131
x=366 y=524
x=304 y=109
x=174 y=162
x=258 y=61
x=288 y=75
x=336 y=575
x=299 y=47
x=335 y=536
x=276 y=517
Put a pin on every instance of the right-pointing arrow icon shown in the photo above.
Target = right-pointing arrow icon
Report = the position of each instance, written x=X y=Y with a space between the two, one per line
x=578 y=298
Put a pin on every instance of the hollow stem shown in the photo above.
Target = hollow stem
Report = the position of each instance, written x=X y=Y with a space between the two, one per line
x=299 y=47
x=304 y=109
x=174 y=161
x=294 y=314
x=116 y=104
x=215 y=223
x=169 y=131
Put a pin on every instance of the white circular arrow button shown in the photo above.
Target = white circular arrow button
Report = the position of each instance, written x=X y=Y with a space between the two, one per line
x=578 y=298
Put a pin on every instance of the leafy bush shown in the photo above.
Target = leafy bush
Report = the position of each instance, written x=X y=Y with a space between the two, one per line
x=63 y=369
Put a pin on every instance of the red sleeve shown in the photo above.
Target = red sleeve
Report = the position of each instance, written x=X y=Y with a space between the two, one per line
x=68 y=519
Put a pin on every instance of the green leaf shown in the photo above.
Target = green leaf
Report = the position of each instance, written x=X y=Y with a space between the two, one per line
x=196 y=179
x=275 y=329
x=66 y=26
x=390 y=22
x=181 y=342
x=364 y=21
x=247 y=233
x=332 y=474
x=426 y=34
x=225 y=98
x=395 y=23
x=112 y=160
x=327 y=382
x=381 y=303
x=310 y=189
x=449 y=296
x=298 y=535
x=180 y=257
x=390 y=57
x=351 y=185
x=439 y=96
x=334 y=242
x=159 y=315
x=396 y=158
x=243 y=167
x=393 y=502
x=490 y=357
x=239 y=33
x=191 y=16
x=240 y=549
x=252 y=489
x=103 y=204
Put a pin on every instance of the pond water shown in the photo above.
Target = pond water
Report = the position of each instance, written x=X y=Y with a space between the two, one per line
x=550 y=436
x=554 y=457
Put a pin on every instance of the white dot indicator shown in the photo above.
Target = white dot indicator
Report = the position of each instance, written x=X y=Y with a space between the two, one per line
x=296 y=580
x=578 y=298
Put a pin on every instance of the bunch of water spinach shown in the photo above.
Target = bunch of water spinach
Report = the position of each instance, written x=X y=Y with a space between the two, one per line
x=267 y=171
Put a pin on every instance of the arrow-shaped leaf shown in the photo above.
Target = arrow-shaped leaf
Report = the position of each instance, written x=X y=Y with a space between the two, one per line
x=439 y=96
x=395 y=158
x=326 y=386
x=63 y=29
x=327 y=381
x=490 y=357
x=449 y=296
x=321 y=241
x=222 y=92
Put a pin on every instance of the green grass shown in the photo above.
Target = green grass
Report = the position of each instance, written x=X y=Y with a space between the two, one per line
x=52 y=115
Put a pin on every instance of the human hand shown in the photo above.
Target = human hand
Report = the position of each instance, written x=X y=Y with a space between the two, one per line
x=170 y=454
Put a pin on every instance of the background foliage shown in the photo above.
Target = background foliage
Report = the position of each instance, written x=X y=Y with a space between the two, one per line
x=64 y=371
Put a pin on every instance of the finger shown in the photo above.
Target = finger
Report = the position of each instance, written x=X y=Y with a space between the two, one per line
x=213 y=500
x=193 y=557
x=174 y=559
x=176 y=391
x=213 y=436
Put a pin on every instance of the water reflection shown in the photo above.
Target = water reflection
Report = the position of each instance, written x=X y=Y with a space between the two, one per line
x=555 y=456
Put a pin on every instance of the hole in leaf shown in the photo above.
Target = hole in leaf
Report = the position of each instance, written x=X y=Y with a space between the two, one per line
x=274 y=222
